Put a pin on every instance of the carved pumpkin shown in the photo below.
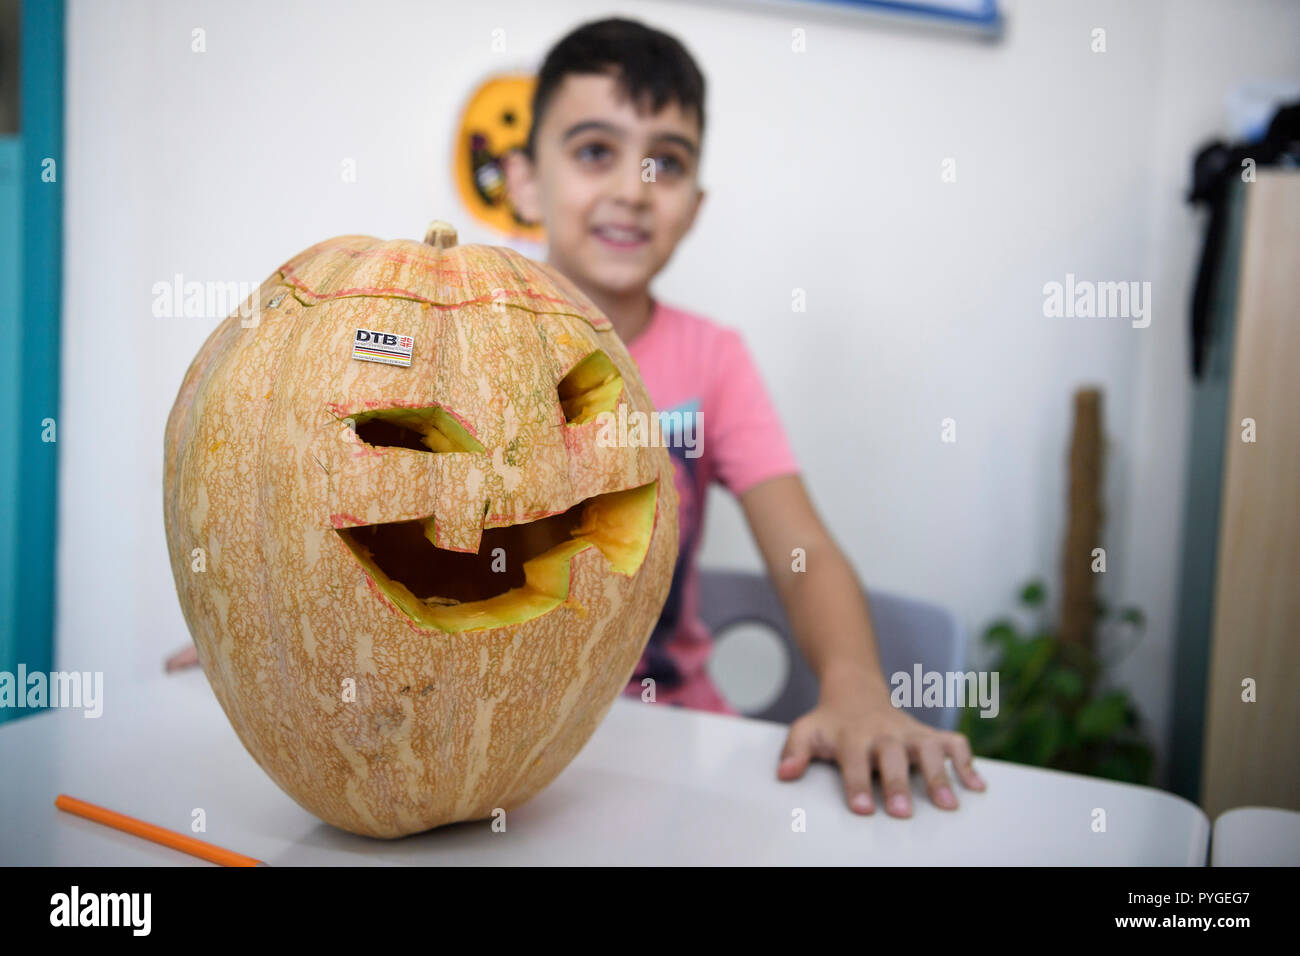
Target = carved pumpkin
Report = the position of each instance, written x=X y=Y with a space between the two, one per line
x=415 y=590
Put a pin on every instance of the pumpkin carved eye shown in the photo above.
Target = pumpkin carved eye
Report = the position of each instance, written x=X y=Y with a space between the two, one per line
x=421 y=429
x=591 y=387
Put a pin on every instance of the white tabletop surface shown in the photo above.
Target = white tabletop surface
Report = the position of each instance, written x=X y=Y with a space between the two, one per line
x=654 y=785
x=1256 y=836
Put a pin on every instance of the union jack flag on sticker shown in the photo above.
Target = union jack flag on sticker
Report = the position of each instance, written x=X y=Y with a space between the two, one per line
x=386 y=347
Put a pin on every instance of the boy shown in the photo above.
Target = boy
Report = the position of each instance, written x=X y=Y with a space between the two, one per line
x=613 y=100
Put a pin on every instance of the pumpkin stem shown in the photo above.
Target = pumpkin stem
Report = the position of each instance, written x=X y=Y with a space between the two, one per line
x=440 y=235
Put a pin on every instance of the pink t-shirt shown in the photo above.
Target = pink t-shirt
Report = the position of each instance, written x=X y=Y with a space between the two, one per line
x=730 y=433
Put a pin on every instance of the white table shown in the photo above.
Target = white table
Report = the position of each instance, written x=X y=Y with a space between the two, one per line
x=654 y=785
x=1256 y=836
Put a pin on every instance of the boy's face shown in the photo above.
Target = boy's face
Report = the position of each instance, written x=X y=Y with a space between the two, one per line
x=609 y=227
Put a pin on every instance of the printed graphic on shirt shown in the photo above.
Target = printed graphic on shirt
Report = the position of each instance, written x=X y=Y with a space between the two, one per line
x=656 y=661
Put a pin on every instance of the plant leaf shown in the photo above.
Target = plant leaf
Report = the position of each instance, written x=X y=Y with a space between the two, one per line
x=1039 y=652
x=1033 y=593
x=1048 y=735
x=1129 y=761
x=1001 y=632
x=1101 y=717
x=1063 y=683
x=1134 y=616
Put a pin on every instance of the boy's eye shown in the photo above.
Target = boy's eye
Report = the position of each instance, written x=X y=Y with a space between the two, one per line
x=669 y=165
x=592 y=152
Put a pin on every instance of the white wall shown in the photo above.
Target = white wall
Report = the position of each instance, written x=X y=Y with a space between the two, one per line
x=925 y=298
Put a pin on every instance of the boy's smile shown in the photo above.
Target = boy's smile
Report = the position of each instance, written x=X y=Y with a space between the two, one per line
x=616 y=187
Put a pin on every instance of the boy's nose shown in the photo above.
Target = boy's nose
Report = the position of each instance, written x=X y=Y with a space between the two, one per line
x=632 y=187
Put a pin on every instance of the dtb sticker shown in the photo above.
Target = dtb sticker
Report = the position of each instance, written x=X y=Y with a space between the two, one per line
x=386 y=347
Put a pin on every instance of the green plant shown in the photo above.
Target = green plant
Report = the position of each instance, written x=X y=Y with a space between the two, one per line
x=1053 y=711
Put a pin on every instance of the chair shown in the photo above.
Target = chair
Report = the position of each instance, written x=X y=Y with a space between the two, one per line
x=908 y=632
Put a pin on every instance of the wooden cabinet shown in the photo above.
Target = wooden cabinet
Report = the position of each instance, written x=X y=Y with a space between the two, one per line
x=1251 y=748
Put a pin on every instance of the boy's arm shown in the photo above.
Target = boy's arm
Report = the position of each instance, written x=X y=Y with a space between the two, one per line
x=187 y=656
x=854 y=722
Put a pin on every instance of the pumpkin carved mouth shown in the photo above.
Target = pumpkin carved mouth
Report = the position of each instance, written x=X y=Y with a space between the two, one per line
x=519 y=572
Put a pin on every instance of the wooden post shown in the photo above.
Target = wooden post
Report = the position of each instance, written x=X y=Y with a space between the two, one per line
x=1083 y=523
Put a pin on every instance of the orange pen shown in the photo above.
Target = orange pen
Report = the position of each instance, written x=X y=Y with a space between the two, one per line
x=169 y=838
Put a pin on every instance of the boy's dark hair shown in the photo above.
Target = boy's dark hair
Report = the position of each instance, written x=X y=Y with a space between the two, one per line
x=647 y=63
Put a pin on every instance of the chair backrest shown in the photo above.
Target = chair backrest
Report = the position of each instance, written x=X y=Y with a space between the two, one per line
x=908 y=632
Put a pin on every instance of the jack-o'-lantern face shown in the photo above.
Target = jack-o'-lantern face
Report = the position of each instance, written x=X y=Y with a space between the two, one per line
x=496 y=120
x=424 y=584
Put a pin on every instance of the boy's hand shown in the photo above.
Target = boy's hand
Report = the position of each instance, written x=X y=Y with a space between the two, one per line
x=856 y=730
